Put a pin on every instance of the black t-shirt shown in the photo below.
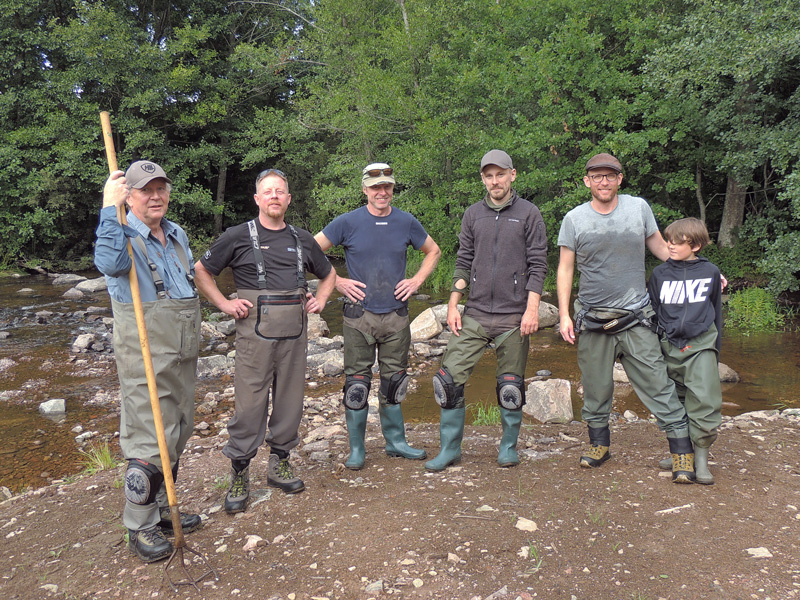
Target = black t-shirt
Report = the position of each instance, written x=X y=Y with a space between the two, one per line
x=233 y=249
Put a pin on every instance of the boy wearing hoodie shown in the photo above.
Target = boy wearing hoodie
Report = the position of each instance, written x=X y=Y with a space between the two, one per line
x=686 y=293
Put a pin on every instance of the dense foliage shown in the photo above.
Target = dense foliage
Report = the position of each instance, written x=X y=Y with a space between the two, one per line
x=698 y=99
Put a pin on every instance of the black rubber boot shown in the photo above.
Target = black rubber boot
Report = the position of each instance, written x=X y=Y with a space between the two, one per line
x=682 y=460
x=600 y=438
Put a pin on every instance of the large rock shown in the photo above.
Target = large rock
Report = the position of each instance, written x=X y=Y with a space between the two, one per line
x=331 y=363
x=549 y=401
x=727 y=375
x=425 y=326
x=213 y=366
x=210 y=331
x=56 y=406
x=317 y=327
x=82 y=343
x=440 y=310
x=548 y=315
x=68 y=279
x=226 y=327
x=72 y=294
x=620 y=376
x=92 y=286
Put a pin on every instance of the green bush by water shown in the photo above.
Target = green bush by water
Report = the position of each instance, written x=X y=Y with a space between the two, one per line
x=754 y=310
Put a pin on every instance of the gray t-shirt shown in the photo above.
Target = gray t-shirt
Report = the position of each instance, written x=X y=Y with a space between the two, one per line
x=609 y=251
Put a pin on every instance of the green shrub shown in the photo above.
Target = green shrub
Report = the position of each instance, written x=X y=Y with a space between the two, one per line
x=754 y=310
x=739 y=262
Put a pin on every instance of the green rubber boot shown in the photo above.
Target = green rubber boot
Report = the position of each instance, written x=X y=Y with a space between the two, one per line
x=702 y=474
x=356 y=430
x=394 y=432
x=511 y=419
x=451 y=432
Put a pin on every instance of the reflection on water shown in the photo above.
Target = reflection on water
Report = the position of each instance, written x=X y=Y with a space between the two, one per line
x=37 y=449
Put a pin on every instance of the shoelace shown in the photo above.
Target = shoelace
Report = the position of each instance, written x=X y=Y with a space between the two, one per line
x=285 y=470
x=239 y=487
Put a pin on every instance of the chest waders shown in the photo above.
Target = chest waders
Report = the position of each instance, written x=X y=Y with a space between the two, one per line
x=270 y=355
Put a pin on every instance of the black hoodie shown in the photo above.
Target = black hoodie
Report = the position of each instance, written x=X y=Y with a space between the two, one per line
x=687 y=298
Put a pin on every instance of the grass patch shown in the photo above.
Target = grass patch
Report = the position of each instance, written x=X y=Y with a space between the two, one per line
x=99 y=457
x=485 y=415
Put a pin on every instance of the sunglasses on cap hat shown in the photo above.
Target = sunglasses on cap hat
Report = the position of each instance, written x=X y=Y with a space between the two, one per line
x=378 y=172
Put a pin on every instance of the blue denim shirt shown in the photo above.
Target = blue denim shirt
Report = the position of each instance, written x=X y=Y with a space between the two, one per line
x=112 y=260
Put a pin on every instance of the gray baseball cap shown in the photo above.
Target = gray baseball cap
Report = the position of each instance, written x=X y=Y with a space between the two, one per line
x=142 y=172
x=496 y=157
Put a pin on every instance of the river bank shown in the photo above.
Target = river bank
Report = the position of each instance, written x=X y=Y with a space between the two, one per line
x=544 y=529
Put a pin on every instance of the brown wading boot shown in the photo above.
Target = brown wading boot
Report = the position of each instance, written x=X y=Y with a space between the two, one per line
x=189 y=521
x=279 y=475
x=682 y=460
x=149 y=544
x=600 y=437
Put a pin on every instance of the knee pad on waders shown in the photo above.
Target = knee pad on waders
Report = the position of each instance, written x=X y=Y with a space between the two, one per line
x=142 y=481
x=356 y=391
x=395 y=388
x=445 y=391
x=510 y=391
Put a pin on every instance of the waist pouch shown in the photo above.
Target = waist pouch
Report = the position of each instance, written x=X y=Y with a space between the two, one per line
x=612 y=320
x=280 y=316
x=352 y=310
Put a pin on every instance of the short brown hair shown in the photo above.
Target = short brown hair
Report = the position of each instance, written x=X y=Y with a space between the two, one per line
x=689 y=230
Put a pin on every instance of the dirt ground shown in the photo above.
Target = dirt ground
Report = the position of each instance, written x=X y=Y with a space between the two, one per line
x=544 y=529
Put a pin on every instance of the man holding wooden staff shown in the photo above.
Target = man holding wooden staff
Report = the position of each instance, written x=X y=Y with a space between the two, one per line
x=171 y=309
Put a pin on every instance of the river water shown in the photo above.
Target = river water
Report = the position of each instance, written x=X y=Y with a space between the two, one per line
x=36 y=450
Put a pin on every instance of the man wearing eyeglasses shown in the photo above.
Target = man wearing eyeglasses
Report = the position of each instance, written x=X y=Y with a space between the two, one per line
x=501 y=262
x=269 y=259
x=607 y=237
x=375 y=238
x=162 y=259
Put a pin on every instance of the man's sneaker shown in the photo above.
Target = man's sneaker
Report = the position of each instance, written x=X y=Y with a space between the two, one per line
x=596 y=456
x=683 y=468
x=279 y=475
x=237 y=496
x=189 y=521
x=149 y=544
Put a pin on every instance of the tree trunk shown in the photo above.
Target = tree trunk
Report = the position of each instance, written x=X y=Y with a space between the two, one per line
x=219 y=200
x=732 y=213
x=698 y=180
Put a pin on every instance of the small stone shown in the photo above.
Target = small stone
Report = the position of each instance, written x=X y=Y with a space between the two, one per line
x=375 y=586
x=524 y=524
x=760 y=552
x=418 y=583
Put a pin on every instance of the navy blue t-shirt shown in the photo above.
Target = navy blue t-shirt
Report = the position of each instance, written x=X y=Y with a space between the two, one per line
x=375 y=250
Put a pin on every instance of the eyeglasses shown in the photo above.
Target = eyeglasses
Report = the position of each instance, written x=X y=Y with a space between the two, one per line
x=610 y=177
x=378 y=172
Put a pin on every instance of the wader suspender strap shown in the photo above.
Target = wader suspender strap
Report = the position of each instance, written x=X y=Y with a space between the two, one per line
x=157 y=281
x=259 y=256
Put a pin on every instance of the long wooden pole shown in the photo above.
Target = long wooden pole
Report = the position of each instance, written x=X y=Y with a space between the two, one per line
x=147 y=357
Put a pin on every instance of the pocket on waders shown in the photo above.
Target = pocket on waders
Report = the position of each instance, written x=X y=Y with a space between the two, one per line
x=190 y=344
x=280 y=317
